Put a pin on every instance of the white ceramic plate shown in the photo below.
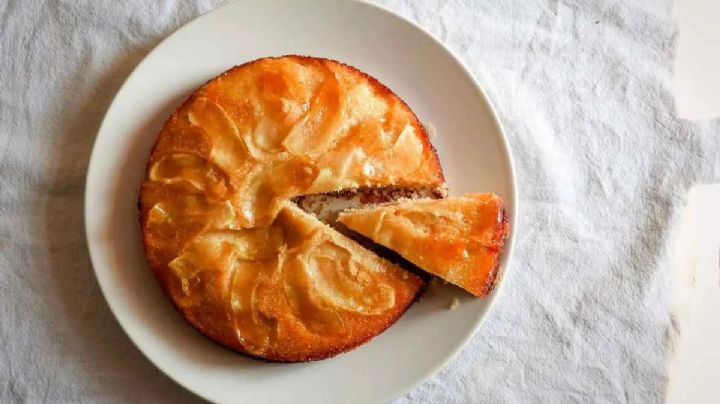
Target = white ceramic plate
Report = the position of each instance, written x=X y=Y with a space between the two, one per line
x=470 y=141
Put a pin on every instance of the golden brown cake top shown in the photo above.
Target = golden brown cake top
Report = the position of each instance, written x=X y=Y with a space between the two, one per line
x=296 y=290
x=458 y=238
x=277 y=128
x=243 y=264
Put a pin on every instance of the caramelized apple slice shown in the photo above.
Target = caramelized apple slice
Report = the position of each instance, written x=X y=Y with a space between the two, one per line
x=190 y=168
x=239 y=265
x=340 y=280
x=315 y=131
x=266 y=187
x=174 y=219
x=228 y=150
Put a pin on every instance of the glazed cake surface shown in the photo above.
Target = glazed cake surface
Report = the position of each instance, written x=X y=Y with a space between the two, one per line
x=239 y=260
x=458 y=239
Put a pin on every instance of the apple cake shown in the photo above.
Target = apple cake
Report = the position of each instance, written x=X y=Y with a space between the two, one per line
x=222 y=234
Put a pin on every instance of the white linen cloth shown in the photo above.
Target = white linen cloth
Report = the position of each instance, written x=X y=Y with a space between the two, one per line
x=583 y=89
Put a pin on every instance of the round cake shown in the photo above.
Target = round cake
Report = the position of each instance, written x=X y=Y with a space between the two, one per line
x=236 y=256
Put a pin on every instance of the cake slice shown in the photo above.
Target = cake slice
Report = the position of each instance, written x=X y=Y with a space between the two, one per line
x=458 y=239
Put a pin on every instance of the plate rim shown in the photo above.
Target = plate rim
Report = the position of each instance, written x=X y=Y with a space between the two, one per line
x=503 y=266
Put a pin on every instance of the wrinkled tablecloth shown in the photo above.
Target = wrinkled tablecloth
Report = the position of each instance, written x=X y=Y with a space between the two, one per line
x=584 y=91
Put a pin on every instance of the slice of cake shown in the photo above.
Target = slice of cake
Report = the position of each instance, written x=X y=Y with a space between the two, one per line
x=458 y=239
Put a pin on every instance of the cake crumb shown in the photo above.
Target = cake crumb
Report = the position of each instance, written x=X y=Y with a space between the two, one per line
x=454 y=303
x=404 y=275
